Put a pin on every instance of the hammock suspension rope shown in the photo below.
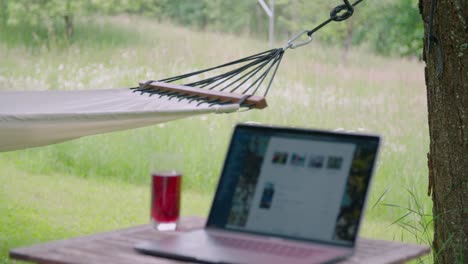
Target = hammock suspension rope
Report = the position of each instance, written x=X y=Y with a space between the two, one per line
x=243 y=78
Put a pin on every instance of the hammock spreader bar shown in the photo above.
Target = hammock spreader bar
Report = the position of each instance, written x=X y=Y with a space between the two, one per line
x=223 y=88
x=252 y=101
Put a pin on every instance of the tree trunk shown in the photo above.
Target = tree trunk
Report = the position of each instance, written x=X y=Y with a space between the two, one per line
x=68 y=27
x=447 y=94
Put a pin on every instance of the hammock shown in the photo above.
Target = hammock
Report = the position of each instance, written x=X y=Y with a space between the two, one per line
x=38 y=118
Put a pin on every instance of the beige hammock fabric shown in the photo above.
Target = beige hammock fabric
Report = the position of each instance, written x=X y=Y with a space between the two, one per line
x=38 y=118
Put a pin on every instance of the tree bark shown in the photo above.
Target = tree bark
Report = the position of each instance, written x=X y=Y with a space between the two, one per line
x=446 y=75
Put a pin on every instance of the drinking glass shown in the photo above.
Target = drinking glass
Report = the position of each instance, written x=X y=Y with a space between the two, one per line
x=166 y=181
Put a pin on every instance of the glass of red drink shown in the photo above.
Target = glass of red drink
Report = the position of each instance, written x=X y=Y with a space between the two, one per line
x=166 y=183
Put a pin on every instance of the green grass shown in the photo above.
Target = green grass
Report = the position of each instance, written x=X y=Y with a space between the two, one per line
x=36 y=207
x=100 y=182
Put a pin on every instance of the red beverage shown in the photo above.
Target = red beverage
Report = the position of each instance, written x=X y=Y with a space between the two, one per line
x=165 y=197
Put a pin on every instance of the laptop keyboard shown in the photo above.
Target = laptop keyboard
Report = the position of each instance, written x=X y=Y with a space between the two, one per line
x=265 y=247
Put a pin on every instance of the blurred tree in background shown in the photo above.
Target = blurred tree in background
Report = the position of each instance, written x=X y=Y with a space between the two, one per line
x=397 y=28
x=389 y=27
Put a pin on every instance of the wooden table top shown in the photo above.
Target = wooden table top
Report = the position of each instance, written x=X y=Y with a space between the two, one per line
x=117 y=247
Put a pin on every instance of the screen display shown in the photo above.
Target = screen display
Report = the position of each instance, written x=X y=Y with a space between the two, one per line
x=302 y=184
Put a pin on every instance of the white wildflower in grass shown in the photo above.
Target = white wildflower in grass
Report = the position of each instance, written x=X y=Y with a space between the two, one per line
x=397 y=148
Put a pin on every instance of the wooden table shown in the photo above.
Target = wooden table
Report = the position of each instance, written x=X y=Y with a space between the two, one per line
x=117 y=247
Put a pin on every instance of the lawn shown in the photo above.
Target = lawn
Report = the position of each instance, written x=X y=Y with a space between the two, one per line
x=101 y=182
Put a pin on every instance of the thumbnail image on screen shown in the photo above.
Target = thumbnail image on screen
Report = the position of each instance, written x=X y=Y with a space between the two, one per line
x=267 y=195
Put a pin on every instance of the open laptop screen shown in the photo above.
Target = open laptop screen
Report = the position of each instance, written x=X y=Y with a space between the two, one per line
x=293 y=183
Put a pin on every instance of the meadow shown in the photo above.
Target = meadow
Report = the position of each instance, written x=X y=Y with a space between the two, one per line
x=101 y=182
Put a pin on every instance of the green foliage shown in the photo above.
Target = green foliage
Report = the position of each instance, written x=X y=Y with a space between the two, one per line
x=114 y=7
x=389 y=27
x=3 y=13
x=51 y=21
x=187 y=12
x=398 y=29
x=231 y=16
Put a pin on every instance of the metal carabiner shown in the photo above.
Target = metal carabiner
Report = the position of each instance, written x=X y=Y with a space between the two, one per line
x=293 y=45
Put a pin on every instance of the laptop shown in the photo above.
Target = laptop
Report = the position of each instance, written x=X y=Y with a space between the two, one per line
x=285 y=195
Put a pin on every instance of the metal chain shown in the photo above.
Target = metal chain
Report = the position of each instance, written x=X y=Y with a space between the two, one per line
x=337 y=14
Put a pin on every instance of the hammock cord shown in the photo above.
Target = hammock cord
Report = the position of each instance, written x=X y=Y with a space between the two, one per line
x=250 y=72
